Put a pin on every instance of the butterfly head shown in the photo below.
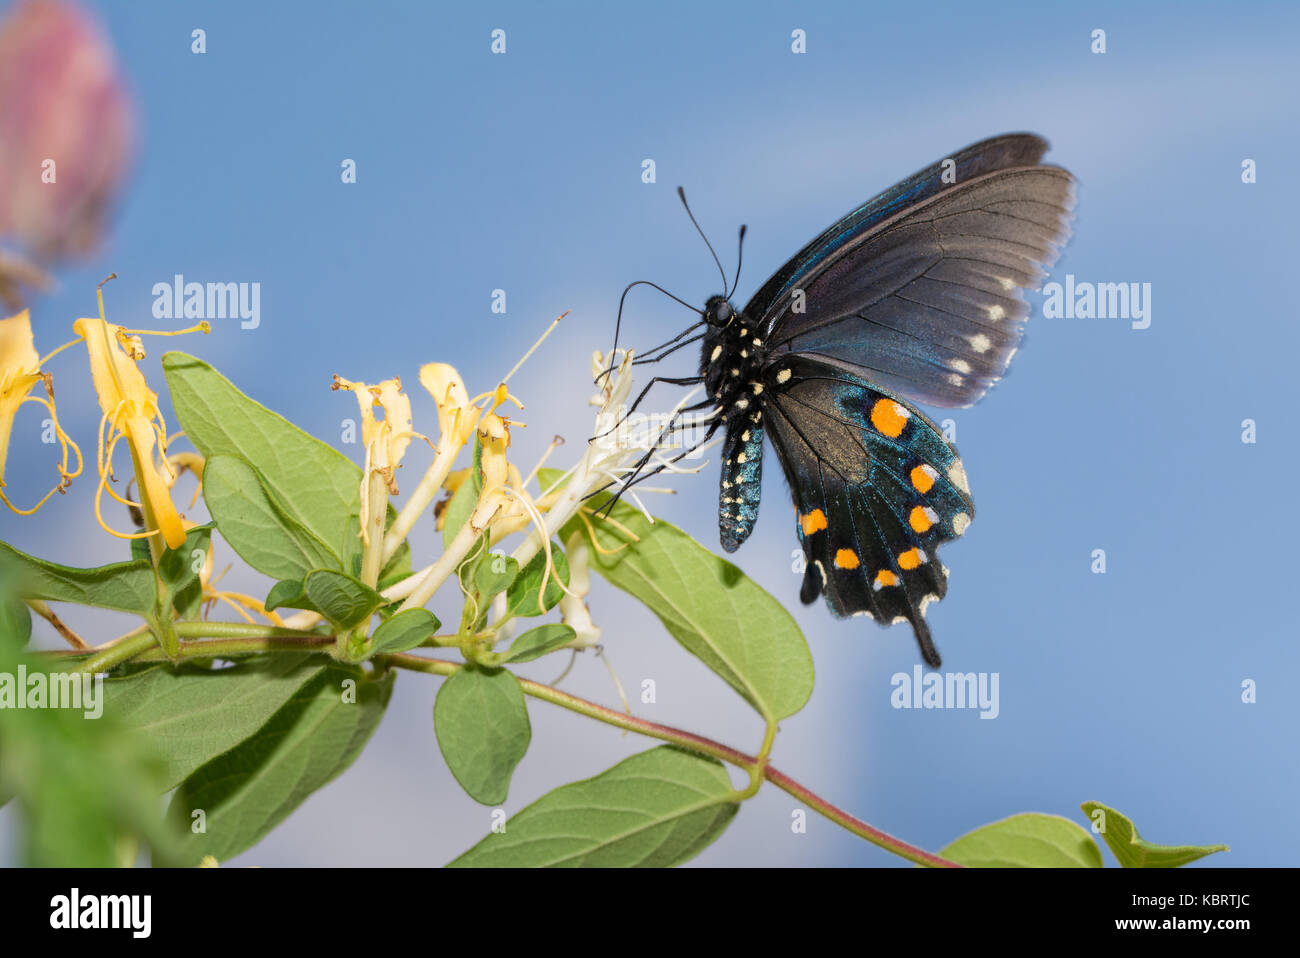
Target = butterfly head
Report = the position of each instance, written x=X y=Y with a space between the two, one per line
x=718 y=312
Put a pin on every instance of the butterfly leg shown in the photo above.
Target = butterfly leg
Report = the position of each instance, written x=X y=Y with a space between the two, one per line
x=683 y=381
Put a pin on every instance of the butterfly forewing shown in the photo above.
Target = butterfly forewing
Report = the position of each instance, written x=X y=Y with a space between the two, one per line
x=930 y=303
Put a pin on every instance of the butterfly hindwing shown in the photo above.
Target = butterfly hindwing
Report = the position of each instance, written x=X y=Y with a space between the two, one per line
x=877 y=489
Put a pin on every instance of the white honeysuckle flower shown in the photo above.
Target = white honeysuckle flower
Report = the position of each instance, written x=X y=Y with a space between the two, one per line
x=616 y=449
x=573 y=606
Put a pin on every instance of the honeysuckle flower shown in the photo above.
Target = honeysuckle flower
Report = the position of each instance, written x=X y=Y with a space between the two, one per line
x=385 y=441
x=457 y=418
x=66 y=128
x=573 y=604
x=131 y=412
x=501 y=500
x=619 y=448
x=20 y=370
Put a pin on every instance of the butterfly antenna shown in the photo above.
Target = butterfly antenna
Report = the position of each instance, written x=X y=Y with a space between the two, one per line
x=618 y=323
x=682 y=193
x=740 y=258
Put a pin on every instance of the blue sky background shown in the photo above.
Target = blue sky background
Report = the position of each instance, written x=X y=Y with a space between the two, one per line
x=522 y=172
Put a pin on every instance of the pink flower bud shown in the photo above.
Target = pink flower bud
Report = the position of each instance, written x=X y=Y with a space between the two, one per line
x=66 y=128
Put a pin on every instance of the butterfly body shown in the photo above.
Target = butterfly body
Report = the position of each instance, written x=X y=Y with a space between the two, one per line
x=912 y=297
x=731 y=362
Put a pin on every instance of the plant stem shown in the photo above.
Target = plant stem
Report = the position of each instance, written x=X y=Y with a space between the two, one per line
x=239 y=630
x=224 y=648
x=696 y=743
x=128 y=647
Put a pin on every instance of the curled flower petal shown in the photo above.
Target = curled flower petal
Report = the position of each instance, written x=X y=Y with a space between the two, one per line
x=457 y=417
x=130 y=412
x=20 y=370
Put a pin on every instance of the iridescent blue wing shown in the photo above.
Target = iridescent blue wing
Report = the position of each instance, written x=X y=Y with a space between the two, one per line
x=876 y=490
x=921 y=288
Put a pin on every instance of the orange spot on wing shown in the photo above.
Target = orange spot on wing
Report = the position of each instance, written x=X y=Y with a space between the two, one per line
x=910 y=559
x=846 y=559
x=815 y=521
x=919 y=519
x=889 y=417
x=884 y=577
x=923 y=479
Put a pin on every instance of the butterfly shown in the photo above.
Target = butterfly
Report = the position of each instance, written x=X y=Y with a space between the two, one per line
x=914 y=297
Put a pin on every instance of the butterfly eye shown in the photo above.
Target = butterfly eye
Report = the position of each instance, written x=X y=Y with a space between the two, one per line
x=718 y=312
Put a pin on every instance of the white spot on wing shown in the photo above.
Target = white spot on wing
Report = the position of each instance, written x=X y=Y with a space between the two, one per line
x=783 y=376
x=960 y=522
x=957 y=476
x=960 y=365
x=980 y=343
x=997 y=312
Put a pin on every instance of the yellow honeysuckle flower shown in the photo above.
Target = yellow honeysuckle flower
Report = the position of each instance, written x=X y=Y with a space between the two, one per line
x=385 y=441
x=457 y=417
x=20 y=370
x=131 y=412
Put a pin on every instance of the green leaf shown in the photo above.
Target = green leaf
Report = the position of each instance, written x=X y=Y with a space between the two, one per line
x=179 y=570
x=256 y=785
x=192 y=714
x=464 y=499
x=124 y=586
x=1131 y=850
x=494 y=574
x=288 y=594
x=1028 y=840
x=317 y=485
x=521 y=598
x=483 y=730
x=714 y=610
x=404 y=631
x=537 y=642
x=399 y=566
x=346 y=602
x=15 y=621
x=657 y=809
x=81 y=781
x=257 y=526
x=475 y=611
